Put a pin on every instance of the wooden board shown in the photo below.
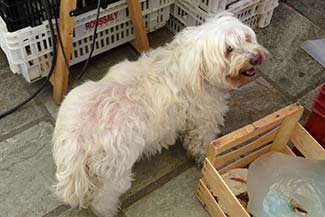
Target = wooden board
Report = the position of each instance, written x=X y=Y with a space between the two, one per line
x=60 y=77
x=287 y=126
x=288 y=151
x=256 y=128
x=220 y=188
x=208 y=201
x=243 y=162
x=234 y=138
x=140 y=42
x=306 y=144
x=221 y=160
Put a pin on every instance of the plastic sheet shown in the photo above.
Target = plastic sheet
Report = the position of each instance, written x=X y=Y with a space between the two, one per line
x=316 y=49
x=279 y=185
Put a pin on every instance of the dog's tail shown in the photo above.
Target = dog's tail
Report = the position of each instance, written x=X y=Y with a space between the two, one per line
x=76 y=186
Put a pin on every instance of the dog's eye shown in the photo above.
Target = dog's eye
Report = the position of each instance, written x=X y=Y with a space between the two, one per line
x=229 y=49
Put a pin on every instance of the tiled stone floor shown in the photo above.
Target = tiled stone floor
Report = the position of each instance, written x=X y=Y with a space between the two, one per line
x=165 y=184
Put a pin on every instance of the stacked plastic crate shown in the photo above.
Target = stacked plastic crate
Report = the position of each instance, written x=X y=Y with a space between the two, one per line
x=26 y=41
x=255 y=13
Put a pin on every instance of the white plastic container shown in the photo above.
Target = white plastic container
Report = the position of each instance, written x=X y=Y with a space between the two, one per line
x=213 y=6
x=255 y=13
x=29 y=50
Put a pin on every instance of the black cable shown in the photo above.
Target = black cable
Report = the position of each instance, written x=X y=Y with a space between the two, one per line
x=49 y=17
x=92 y=47
x=93 y=44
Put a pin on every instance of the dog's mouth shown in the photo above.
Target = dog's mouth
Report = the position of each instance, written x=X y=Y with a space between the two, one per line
x=249 y=73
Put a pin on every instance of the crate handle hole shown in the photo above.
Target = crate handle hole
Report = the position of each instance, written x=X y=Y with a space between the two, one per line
x=28 y=50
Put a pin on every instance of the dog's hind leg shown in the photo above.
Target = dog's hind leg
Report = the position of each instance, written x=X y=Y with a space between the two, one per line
x=107 y=201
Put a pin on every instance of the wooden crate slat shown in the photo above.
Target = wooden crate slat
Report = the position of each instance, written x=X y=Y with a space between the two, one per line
x=234 y=138
x=220 y=188
x=288 y=151
x=246 y=160
x=278 y=116
x=256 y=128
x=306 y=144
x=287 y=126
x=208 y=201
x=221 y=160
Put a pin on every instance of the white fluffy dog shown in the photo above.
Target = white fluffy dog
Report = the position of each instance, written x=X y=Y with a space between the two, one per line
x=141 y=107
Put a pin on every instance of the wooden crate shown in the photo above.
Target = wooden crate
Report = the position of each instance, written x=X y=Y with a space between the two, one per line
x=239 y=148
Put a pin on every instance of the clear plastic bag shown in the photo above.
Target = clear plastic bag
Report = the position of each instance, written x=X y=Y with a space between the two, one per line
x=316 y=49
x=279 y=185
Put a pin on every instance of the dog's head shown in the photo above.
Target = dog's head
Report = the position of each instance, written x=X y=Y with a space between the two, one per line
x=225 y=53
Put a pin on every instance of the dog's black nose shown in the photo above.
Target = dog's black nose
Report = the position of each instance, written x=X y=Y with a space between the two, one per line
x=255 y=60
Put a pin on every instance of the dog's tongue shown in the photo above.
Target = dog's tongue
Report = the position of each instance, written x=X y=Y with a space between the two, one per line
x=250 y=71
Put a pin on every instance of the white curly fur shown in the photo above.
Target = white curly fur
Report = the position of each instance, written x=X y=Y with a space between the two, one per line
x=140 y=107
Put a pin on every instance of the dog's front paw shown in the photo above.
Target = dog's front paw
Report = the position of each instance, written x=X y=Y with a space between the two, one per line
x=199 y=160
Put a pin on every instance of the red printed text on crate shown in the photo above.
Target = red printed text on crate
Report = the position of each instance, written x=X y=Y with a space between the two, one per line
x=102 y=20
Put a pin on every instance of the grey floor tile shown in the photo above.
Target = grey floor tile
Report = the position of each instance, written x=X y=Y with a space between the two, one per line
x=251 y=102
x=3 y=60
x=147 y=171
x=13 y=92
x=27 y=173
x=48 y=101
x=78 y=213
x=308 y=100
x=99 y=65
x=289 y=66
x=45 y=96
x=72 y=213
x=174 y=199
x=160 y=37
x=312 y=9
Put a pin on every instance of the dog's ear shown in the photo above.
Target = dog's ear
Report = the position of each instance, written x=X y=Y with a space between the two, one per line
x=197 y=58
x=203 y=69
x=198 y=71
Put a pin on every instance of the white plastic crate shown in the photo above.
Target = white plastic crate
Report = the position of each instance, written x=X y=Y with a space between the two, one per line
x=29 y=50
x=213 y=6
x=175 y=25
x=255 y=13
